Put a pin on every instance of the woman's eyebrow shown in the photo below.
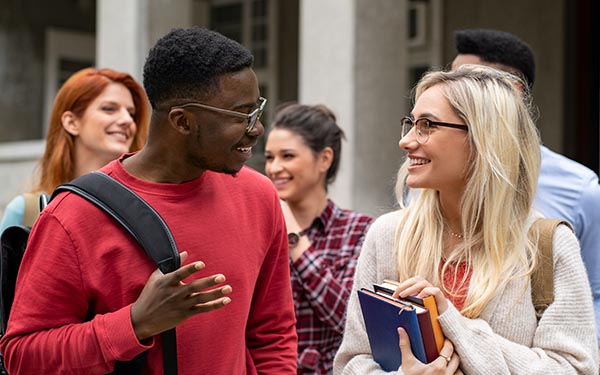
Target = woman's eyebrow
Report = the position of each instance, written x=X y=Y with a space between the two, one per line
x=427 y=115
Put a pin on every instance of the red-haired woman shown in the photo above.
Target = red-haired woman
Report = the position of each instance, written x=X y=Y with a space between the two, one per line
x=98 y=115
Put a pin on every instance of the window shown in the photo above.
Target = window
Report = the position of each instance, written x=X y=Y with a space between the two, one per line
x=417 y=23
x=424 y=38
x=27 y=89
x=66 y=53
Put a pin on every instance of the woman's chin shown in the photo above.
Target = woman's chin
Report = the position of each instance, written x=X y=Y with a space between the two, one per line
x=413 y=183
x=119 y=149
x=283 y=195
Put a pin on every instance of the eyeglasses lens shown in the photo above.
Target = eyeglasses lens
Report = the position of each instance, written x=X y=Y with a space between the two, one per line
x=255 y=115
x=407 y=124
x=421 y=128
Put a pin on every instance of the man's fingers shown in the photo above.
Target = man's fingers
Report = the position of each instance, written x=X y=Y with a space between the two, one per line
x=211 y=295
x=204 y=289
x=183 y=272
x=212 y=305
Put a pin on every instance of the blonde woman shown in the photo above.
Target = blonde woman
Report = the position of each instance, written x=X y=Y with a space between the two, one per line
x=473 y=153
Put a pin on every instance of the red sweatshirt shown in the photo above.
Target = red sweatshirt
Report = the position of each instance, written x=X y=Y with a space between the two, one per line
x=82 y=272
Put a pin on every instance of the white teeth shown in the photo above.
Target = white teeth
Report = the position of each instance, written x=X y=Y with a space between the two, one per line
x=244 y=150
x=120 y=135
x=281 y=181
x=418 y=161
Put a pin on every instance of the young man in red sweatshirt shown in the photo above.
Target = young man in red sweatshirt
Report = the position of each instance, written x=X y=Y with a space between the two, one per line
x=88 y=296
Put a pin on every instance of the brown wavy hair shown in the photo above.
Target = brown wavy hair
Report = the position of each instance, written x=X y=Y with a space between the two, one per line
x=57 y=165
x=318 y=128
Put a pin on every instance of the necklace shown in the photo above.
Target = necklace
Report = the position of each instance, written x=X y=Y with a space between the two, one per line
x=460 y=236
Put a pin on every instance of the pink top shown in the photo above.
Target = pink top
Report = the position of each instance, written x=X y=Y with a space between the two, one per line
x=452 y=279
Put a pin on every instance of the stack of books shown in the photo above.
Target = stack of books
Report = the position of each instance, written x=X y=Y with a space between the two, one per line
x=383 y=314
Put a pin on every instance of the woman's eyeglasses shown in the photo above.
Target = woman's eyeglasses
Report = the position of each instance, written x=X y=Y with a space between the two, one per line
x=424 y=126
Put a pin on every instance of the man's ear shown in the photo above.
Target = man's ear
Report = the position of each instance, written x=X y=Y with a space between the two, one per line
x=325 y=158
x=179 y=120
x=70 y=123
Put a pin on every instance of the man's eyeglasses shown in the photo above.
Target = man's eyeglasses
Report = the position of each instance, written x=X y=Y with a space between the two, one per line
x=424 y=126
x=251 y=117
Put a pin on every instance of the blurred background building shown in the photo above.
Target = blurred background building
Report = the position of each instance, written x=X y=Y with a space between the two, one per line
x=360 y=57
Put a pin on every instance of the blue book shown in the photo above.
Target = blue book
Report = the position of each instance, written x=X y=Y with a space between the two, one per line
x=383 y=316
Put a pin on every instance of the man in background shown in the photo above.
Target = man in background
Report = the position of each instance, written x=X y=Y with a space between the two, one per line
x=566 y=189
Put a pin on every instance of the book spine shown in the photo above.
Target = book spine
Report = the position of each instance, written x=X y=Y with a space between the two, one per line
x=429 y=343
x=416 y=343
x=429 y=303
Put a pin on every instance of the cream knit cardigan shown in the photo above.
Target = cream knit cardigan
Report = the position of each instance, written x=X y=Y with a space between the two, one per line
x=506 y=338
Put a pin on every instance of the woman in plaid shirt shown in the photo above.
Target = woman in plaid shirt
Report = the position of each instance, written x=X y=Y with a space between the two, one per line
x=302 y=158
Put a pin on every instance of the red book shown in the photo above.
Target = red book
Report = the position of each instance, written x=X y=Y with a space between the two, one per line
x=431 y=351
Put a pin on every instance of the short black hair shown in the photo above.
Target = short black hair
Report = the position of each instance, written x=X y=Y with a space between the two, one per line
x=187 y=62
x=500 y=47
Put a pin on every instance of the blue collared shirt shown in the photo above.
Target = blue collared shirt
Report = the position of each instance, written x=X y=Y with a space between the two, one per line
x=569 y=190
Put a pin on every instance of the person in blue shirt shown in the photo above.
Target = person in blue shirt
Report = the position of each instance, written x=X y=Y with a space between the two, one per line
x=566 y=189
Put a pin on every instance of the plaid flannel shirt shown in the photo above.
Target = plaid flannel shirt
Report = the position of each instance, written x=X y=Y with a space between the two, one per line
x=321 y=283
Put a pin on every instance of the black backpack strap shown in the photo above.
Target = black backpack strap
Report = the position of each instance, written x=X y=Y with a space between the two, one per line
x=143 y=223
x=132 y=212
x=169 y=344
x=14 y=240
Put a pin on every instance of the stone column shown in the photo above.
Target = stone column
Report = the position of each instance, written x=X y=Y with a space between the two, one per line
x=127 y=29
x=353 y=59
x=121 y=35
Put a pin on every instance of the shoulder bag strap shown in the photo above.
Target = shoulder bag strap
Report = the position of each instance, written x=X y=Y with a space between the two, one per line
x=143 y=223
x=32 y=209
x=132 y=212
x=542 y=278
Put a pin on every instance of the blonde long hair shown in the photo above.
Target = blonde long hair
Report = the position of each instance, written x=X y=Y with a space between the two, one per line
x=505 y=161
